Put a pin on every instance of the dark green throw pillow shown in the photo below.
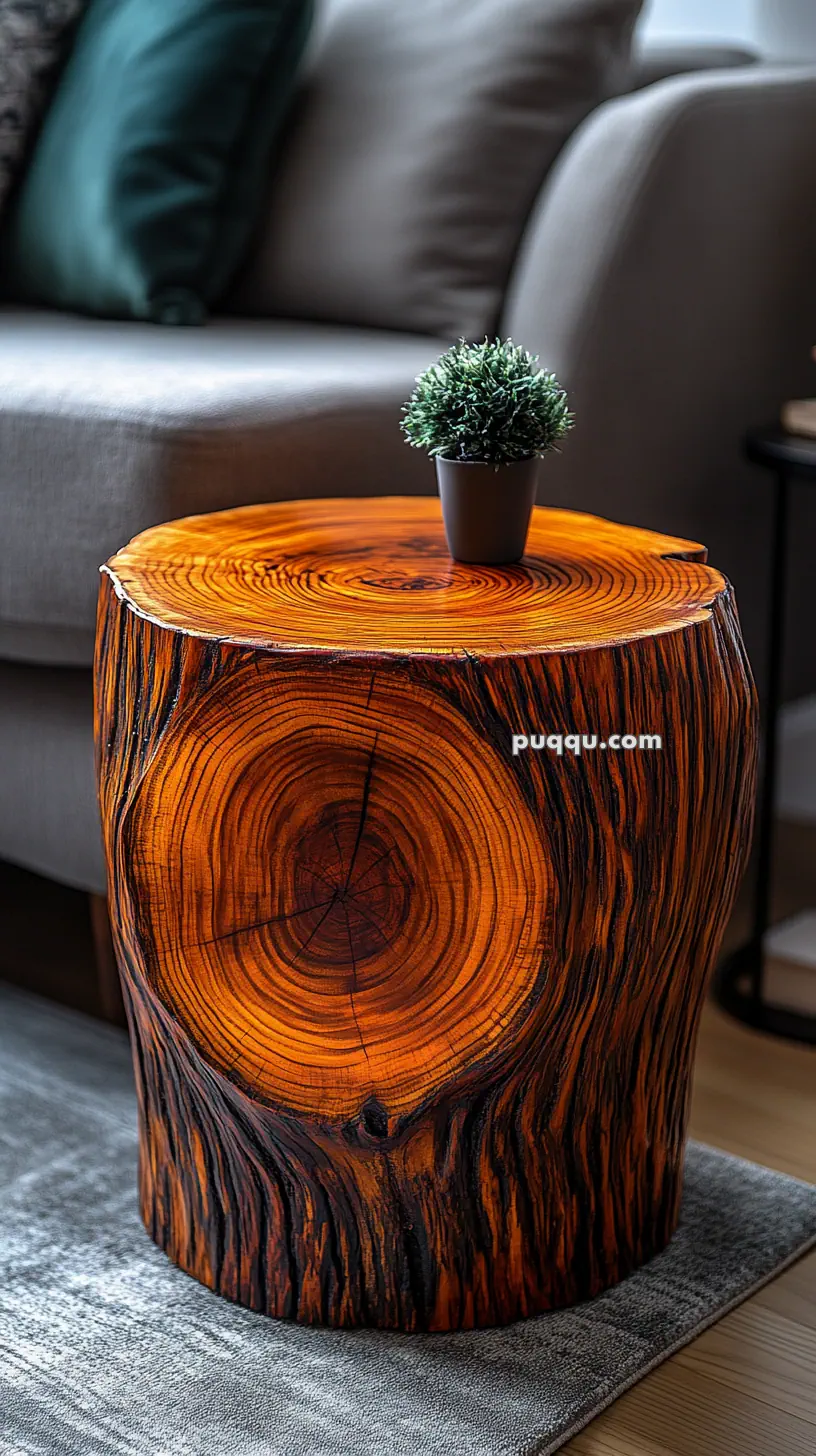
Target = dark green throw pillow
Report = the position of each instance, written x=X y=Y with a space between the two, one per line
x=149 y=170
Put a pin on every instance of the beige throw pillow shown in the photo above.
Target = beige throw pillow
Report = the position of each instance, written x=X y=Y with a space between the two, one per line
x=424 y=132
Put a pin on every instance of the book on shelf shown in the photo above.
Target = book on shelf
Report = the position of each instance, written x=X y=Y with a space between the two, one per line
x=799 y=417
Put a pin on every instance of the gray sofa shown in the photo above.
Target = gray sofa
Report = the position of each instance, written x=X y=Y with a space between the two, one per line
x=667 y=273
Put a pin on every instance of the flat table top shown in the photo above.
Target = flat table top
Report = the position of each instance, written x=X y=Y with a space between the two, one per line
x=373 y=575
x=775 y=447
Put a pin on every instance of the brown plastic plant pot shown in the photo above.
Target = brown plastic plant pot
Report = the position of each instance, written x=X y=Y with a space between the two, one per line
x=486 y=508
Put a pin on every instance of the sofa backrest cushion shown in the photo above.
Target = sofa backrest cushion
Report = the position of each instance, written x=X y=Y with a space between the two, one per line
x=423 y=133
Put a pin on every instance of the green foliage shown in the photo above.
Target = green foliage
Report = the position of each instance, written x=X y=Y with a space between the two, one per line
x=486 y=402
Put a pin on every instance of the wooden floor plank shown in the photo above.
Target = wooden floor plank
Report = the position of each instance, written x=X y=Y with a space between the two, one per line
x=678 y=1412
x=793 y=1295
x=764 y=1355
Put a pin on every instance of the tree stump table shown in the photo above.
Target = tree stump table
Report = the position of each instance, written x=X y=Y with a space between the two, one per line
x=413 y=1015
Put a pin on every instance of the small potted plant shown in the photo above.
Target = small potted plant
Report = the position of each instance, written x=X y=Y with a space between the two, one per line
x=486 y=413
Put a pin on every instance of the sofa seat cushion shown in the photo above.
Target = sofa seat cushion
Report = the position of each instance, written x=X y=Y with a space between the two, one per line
x=107 y=428
x=49 y=818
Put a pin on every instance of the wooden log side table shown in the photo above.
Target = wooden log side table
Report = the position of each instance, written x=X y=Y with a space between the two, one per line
x=413 y=1016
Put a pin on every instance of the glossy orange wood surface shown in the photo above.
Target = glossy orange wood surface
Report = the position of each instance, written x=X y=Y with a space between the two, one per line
x=413 y=1017
x=375 y=576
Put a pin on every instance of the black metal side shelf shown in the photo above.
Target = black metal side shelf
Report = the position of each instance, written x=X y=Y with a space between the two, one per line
x=739 y=983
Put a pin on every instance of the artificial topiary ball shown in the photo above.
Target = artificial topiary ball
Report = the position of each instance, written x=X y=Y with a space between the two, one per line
x=487 y=402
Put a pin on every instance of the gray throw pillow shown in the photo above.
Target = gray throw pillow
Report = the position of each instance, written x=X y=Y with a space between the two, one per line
x=424 y=132
x=34 y=39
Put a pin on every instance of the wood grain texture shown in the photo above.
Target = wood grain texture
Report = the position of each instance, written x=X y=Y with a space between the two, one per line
x=374 y=576
x=414 y=1018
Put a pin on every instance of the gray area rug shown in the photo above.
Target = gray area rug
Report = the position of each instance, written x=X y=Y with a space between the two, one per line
x=107 y=1350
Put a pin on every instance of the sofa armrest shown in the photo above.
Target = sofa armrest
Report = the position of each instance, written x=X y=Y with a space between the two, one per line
x=657 y=60
x=668 y=275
